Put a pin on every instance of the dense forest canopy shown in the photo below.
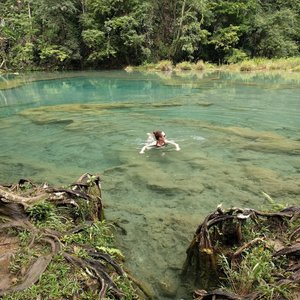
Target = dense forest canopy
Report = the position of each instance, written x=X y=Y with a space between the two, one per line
x=73 y=34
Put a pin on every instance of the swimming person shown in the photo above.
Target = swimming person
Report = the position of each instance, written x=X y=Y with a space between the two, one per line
x=157 y=139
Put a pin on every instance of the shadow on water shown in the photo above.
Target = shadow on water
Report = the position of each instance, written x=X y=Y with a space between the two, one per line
x=237 y=133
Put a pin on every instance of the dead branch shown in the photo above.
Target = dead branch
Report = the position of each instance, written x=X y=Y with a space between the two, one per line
x=7 y=196
x=70 y=193
x=245 y=246
x=293 y=250
x=295 y=234
x=3 y=64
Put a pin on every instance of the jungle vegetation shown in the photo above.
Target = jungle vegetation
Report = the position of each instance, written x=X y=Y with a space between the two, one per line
x=77 y=34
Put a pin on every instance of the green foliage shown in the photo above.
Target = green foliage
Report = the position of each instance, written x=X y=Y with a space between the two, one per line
x=93 y=37
x=70 y=33
x=83 y=211
x=21 y=260
x=44 y=214
x=225 y=38
x=235 y=56
x=257 y=270
x=112 y=251
x=42 y=211
x=296 y=69
x=126 y=287
x=54 y=54
x=256 y=273
x=24 y=237
x=112 y=29
x=247 y=66
x=274 y=30
x=22 y=56
x=164 y=65
x=190 y=34
x=59 y=281
x=291 y=63
x=184 y=66
x=39 y=33
x=200 y=66
x=97 y=235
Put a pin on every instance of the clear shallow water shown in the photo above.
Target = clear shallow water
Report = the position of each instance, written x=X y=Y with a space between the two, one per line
x=238 y=133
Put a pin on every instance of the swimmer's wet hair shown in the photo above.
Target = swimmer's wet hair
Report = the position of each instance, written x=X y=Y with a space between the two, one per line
x=158 y=134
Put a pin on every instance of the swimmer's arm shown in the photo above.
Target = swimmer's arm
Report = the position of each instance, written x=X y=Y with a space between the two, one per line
x=143 y=149
x=147 y=146
x=174 y=144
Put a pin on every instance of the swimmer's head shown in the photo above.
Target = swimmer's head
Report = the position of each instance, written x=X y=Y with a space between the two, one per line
x=159 y=134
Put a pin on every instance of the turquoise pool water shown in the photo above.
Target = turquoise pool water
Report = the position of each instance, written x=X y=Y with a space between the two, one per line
x=238 y=133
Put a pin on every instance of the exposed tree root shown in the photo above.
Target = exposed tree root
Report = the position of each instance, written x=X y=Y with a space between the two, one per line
x=14 y=203
x=222 y=230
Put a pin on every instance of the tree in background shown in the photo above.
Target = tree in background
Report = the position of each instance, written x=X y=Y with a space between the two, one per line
x=230 y=25
x=17 y=33
x=58 y=38
x=275 y=29
x=116 y=31
x=191 y=36
x=44 y=34
x=36 y=33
